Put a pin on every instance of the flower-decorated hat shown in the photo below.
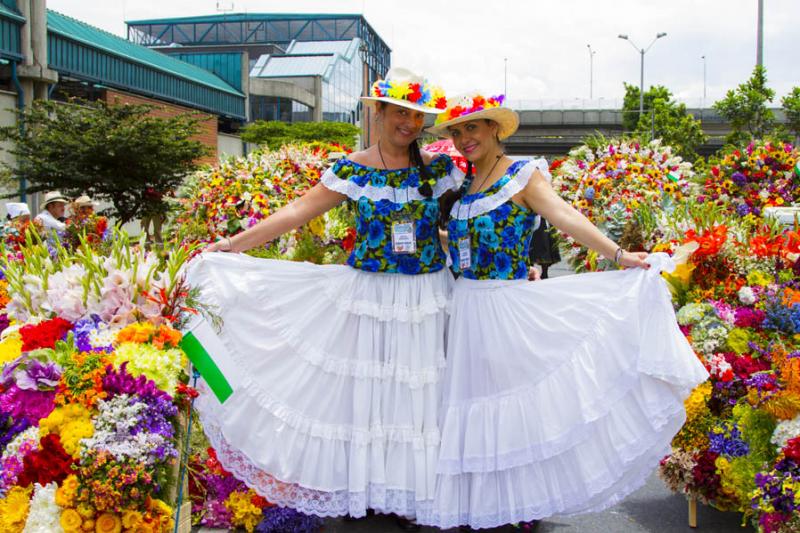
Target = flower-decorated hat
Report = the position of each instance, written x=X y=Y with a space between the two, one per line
x=475 y=106
x=404 y=88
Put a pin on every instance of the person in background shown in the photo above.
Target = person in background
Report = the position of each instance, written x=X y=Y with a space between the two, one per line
x=82 y=207
x=18 y=212
x=52 y=216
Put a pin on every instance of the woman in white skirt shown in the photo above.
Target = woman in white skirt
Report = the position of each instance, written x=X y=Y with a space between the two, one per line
x=336 y=409
x=559 y=396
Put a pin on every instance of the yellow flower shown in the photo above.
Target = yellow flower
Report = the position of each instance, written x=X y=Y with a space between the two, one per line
x=131 y=519
x=108 y=523
x=399 y=91
x=72 y=423
x=757 y=277
x=14 y=509
x=10 y=348
x=317 y=226
x=70 y=520
x=86 y=511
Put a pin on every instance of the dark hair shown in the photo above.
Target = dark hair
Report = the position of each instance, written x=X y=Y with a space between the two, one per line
x=426 y=180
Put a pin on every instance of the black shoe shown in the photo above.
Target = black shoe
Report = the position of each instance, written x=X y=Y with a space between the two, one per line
x=530 y=526
x=407 y=525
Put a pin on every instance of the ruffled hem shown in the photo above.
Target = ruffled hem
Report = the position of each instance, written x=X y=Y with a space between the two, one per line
x=354 y=191
x=483 y=205
x=309 y=500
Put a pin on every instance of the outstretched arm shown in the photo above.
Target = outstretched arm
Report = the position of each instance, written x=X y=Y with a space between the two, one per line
x=539 y=196
x=315 y=202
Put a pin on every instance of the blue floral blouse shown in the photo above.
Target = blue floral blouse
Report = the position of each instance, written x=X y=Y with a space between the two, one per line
x=382 y=196
x=499 y=231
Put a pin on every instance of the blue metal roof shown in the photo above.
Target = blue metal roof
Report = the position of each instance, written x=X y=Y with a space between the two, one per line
x=226 y=65
x=85 y=52
x=243 y=17
x=10 y=24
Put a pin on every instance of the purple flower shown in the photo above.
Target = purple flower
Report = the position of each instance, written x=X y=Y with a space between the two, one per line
x=742 y=210
x=38 y=376
x=119 y=381
x=739 y=179
x=32 y=405
x=287 y=520
x=728 y=443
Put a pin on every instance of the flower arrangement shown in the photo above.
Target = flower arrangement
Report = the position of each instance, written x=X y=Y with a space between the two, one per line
x=608 y=183
x=243 y=191
x=91 y=379
x=763 y=174
x=468 y=105
x=738 y=301
x=421 y=93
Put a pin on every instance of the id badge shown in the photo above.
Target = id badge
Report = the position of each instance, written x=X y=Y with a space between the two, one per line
x=464 y=254
x=404 y=238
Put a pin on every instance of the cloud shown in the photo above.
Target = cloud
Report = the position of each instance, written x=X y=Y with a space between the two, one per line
x=461 y=45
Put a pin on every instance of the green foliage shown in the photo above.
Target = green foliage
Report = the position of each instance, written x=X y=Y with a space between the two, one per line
x=275 y=134
x=746 y=109
x=630 y=104
x=116 y=153
x=791 y=106
x=664 y=119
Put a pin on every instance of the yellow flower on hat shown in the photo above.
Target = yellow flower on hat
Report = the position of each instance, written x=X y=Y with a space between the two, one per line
x=399 y=91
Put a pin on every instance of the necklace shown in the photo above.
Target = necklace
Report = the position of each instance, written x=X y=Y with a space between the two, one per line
x=383 y=161
x=478 y=188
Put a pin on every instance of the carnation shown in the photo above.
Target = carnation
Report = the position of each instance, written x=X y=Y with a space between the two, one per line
x=746 y=295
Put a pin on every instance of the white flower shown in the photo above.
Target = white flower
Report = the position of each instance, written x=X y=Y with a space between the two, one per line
x=746 y=295
x=786 y=430
x=44 y=514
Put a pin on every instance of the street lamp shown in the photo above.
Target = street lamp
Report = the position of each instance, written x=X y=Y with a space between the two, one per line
x=703 y=57
x=505 y=77
x=642 y=52
x=591 y=65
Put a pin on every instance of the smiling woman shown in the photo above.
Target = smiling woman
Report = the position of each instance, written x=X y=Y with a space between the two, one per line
x=337 y=412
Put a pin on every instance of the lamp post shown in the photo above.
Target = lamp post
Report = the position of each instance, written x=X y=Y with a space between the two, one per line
x=591 y=69
x=505 y=77
x=642 y=52
x=703 y=57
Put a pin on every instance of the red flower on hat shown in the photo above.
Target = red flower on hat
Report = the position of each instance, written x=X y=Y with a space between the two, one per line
x=441 y=103
x=415 y=94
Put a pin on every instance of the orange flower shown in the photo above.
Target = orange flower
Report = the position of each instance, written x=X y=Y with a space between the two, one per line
x=70 y=520
x=108 y=523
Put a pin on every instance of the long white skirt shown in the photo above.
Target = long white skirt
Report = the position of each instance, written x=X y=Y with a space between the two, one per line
x=336 y=411
x=559 y=396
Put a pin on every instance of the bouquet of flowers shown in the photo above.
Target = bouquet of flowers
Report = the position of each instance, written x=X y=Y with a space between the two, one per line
x=91 y=379
x=763 y=174
x=609 y=182
x=738 y=299
x=243 y=191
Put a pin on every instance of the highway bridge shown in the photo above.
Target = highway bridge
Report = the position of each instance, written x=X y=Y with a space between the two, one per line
x=553 y=132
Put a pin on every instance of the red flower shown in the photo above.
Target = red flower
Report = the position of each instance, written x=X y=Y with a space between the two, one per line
x=44 y=334
x=710 y=241
x=49 y=463
x=441 y=103
x=792 y=449
x=349 y=241
x=415 y=94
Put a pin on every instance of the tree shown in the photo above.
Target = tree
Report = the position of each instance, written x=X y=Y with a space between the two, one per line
x=116 y=153
x=664 y=119
x=630 y=104
x=791 y=106
x=275 y=134
x=746 y=108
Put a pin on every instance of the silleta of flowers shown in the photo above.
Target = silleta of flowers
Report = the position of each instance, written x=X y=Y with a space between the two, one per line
x=761 y=175
x=610 y=180
x=424 y=94
x=243 y=191
x=467 y=105
x=91 y=382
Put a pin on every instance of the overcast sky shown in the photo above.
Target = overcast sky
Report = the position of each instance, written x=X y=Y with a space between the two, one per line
x=461 y=45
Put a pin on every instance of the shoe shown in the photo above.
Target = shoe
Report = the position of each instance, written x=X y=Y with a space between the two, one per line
x=407 y=525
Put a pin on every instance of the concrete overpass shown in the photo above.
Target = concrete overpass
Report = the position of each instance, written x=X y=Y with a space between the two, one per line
x=553 y=132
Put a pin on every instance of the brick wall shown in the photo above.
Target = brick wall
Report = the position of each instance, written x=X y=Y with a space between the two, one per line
x=208 y=131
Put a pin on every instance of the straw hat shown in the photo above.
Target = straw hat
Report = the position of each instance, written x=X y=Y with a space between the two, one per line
x=475 y=106
x=404 y=88
x=17 y=209
x=84 y=201
x=53 y=197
